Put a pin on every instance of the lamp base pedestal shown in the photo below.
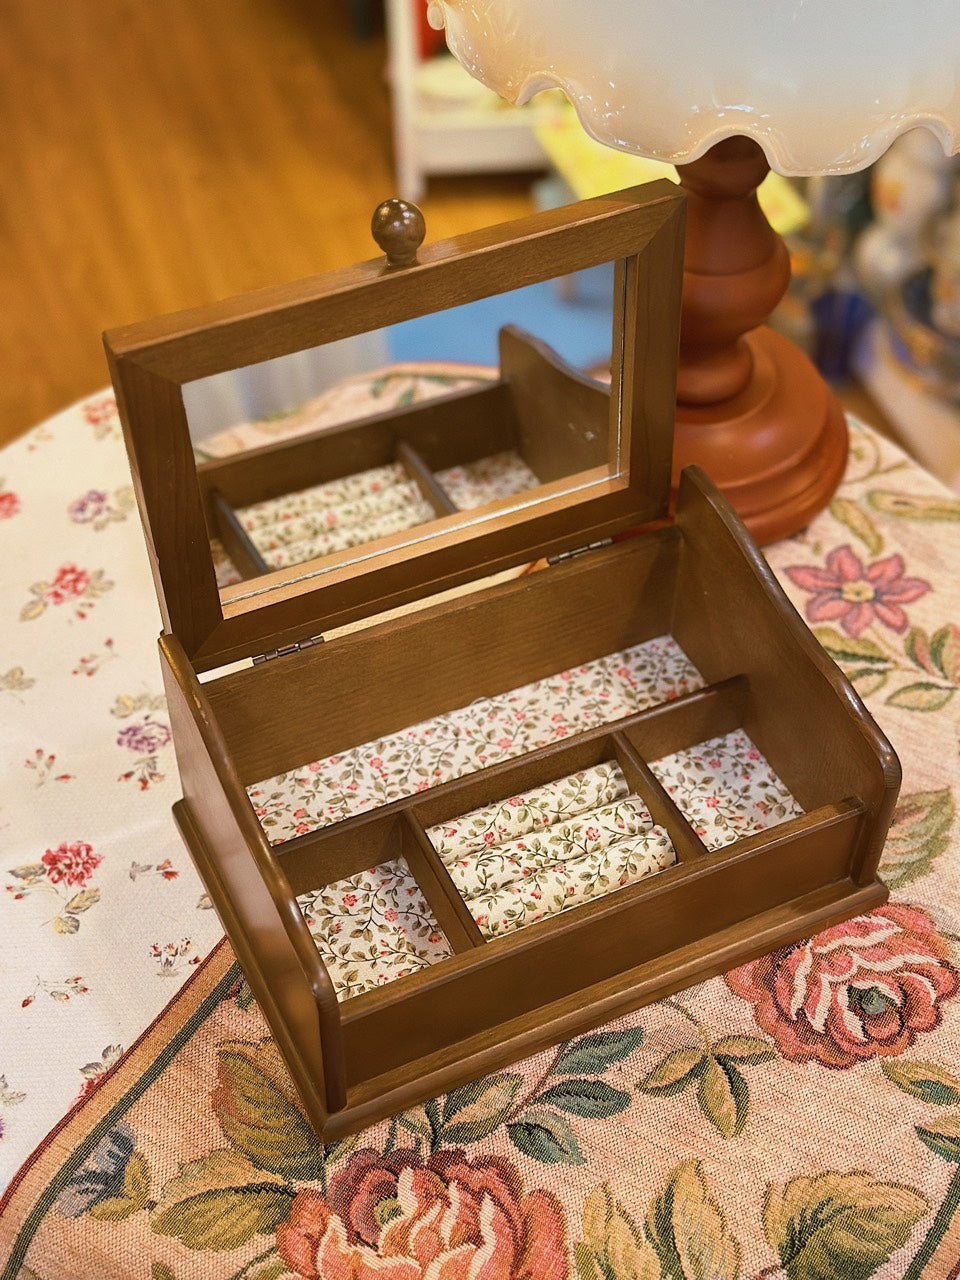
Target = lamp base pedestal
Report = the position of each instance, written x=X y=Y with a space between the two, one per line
x=751 y=408
x=777 y=448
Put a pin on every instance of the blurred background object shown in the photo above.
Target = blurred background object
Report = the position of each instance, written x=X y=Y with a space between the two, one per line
x=155 y=157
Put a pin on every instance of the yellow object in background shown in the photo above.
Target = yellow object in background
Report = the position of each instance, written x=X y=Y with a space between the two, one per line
x=591 y=169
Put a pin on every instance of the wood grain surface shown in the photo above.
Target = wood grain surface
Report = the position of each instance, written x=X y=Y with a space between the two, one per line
x=163 y=155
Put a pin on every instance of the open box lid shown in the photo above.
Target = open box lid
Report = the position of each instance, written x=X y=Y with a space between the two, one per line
x=638 y=230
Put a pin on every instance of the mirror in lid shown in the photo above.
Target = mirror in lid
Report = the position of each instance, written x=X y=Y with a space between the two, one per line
x=329 y=454
x=297 y=509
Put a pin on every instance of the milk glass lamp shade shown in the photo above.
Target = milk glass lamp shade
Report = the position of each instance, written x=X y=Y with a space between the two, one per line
x=824 y=86
x=726 y=89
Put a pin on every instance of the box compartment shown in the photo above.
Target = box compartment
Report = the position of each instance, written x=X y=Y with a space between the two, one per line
x=493 y=999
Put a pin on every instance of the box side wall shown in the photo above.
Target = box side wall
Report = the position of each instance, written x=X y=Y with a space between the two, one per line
x=387 y=677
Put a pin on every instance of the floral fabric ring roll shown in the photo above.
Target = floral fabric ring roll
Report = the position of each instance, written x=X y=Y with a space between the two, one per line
x=549 y=890
x=497 y=865
x=348 y=535
x=534 y=811
x=320 y=496
x=330 y=520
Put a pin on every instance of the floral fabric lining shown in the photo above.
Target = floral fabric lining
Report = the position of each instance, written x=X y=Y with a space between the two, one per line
x=359 y=508
x=725 y=789
x=502 y=727
x=474 y=484
x=373 y=927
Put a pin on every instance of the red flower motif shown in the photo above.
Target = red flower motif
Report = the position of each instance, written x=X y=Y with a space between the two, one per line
x=861 y=989
x=9 y=505
x=847 y=593
x=99 y=411
x=75 y=863
x=69 y=584
x=394 y=1217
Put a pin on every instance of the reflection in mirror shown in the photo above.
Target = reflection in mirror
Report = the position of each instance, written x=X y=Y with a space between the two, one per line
x=375 y=441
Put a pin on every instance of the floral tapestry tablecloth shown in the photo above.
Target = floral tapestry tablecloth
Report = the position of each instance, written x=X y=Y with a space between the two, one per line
x=799 y=1116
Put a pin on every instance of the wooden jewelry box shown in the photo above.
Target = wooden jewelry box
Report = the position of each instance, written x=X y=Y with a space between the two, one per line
x=691 y=889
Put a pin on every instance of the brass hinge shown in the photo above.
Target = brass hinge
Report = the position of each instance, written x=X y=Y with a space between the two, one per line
x=284 y=649
x=579 y=551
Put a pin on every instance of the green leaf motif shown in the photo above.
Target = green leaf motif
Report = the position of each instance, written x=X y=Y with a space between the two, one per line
x=688 y=1229
x=160 y=1271
x=593 y=1099
x=334 y=1151
x=921 y=696
x=260 y=1114
x=943 y=1137
x=593 y=1054
x=612 y=1244
x=847 y=512
x=945 y=651
x=917 y=648
x=244 y=996
x=220 y=1202
x=918 y=834
x=867 y=680
x=925 y=1080
x=133 y=1197
x=545 y=1136
x=839 y=1226
x=431 y=1109
x=83 y=900
x=29 y=871
x=724 y=1097
x=272 y=1269
x=473 y=1112
x=850 y=651
x=907 y=507
x=744 y=1049
x=673 y=1073
x=415 y=1121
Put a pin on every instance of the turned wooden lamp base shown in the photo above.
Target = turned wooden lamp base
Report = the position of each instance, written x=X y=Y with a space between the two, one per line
x=751 y=408
x=779 y=451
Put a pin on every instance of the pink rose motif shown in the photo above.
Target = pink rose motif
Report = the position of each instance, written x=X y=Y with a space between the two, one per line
x=69 y=584
x=74 y=863
x=9 y=505
x=394 y=1217
x=144 y=739
x=86 y=508
x=97 y=412
x=862 y=989
x=847 y=593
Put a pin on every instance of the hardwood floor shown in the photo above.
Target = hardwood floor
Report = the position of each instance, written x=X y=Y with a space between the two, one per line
x=155 y=156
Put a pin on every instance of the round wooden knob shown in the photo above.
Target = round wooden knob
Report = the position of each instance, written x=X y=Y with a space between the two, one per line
x=398 y=228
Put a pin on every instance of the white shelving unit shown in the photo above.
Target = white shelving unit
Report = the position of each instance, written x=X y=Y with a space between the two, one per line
x=443 y=120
